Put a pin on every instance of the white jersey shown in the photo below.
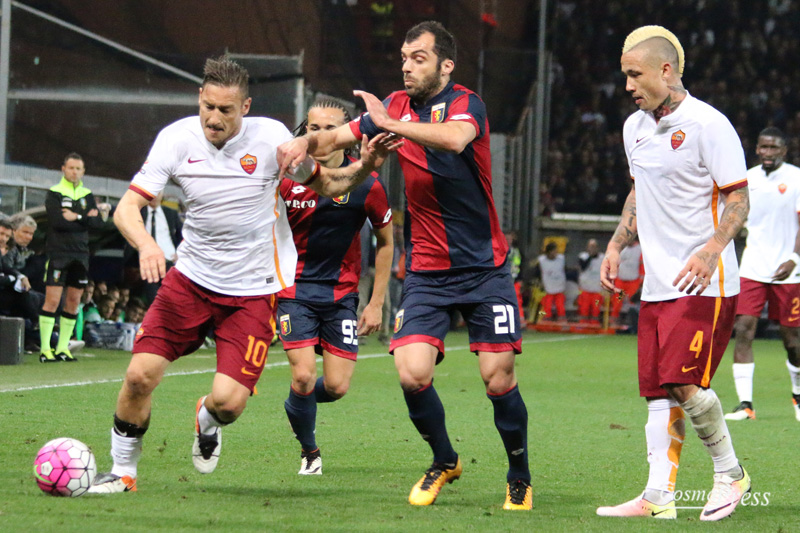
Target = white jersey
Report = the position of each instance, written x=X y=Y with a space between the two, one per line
x=554 y=277
x=630 y=259
x=236 y=238
x=772 y=223
x=589 y=279
x=682 y=167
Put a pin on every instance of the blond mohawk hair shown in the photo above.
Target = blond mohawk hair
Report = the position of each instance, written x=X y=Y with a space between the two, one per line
x=639 y=35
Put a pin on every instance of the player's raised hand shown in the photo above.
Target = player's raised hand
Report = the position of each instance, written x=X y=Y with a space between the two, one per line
x=375 y=108
x=291 y=154
x=375 y=151
x=608 y=271
x=371 y=319
x=152 y=265
x=697 y=272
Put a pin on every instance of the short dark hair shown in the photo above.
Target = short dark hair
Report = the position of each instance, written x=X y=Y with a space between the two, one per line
x=444 y=43
x=72 y=155
x=772 y=131
x=226 y=72
x=550 y=247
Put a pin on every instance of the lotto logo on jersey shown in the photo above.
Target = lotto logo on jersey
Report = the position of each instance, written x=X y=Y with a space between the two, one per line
x=286 y=325
x=782 y=188
x=249 y=163
x=677 y=139
x=437 y=113
x=298 y=189
x=398 y=320
x=342 y=199
x=388 y=216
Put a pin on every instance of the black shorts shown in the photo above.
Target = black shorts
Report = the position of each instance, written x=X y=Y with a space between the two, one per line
x=70 y=271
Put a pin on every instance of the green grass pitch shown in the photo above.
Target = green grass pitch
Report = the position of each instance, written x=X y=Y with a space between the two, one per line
x=586 y=437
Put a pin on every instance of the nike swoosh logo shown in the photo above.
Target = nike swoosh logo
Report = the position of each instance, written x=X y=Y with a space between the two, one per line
x=653 y=513
x=712 y=511
x=247 y=372
x=639 y=139
x=195 y=160
x=794 y=318
x=684 y=369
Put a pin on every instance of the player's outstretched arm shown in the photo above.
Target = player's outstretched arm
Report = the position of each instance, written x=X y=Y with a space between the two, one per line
x=701 y=266
x=128 y=219
x=450 y=136
x=320 y=143
x=336 y=182
x=371 y=318
x=624 y=235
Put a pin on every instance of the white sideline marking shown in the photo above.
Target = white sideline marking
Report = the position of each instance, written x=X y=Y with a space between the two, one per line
x=267 y=366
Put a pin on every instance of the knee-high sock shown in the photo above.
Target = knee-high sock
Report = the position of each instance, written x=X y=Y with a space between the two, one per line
x=65 y=328
x=705 y=412
x=320 y=392
x=427 y=413
x=126 y=447
x=794 y=375
x=47 y=322
x=208 y=421
x=665 y=431
x=511 y=420
x=743 y=379
x=302 y=412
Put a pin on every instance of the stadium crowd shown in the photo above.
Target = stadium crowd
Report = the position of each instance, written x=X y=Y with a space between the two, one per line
x=742 y=63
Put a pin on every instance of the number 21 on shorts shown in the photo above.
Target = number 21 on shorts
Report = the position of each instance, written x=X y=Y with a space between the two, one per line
x=503 y=319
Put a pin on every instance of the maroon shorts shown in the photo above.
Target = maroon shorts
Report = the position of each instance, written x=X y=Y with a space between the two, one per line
x=177 y=322
x=682 y=341
x=783 y=298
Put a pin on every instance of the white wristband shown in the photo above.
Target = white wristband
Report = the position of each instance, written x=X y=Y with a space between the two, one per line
x=795 y=257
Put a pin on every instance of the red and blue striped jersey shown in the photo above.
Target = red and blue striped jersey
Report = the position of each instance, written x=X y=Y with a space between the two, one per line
x=326 y=233
x=451 y=222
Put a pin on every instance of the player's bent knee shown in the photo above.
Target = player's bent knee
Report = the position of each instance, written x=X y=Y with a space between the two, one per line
x=337 y=390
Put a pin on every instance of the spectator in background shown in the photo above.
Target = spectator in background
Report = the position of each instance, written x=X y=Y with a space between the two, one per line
x=629 y=277
x=590 y=298
x=71 y=212
x=515 y=262
x=554 y=281
x=165 y=226
x=19 y=299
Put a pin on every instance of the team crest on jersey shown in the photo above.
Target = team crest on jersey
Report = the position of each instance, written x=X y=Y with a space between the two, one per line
x=249 y=163
x=83 y=203
x=341 y=200
x=398 y=320
x=140 y=332
x=56 y=275
x=286 y=325
x=677 y=139
x=437 y=113
x=782 y=188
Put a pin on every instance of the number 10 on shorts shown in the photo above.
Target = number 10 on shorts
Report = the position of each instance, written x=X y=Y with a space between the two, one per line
x=504 y=319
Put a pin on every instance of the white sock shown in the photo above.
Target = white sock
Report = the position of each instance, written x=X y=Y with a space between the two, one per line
x=705 y=412
x=208 y=424
x=664 y=431
x=794 y=374
x=743 y=379
x=125 y=451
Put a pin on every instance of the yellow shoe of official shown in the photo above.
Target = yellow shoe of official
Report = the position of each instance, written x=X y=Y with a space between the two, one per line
x=519 y=496
x=427 y=489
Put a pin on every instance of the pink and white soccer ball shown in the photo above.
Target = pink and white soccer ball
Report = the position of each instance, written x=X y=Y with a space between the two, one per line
x=65 y=467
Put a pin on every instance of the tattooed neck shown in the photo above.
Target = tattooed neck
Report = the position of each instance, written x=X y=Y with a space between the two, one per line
x=676 y=96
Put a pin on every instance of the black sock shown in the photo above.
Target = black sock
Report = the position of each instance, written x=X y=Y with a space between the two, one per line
x=427 y=413
x=511 y=420
x=302 y=413
x=320 y=392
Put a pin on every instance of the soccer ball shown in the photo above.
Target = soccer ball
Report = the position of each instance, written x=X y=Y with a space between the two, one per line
x=64 y=467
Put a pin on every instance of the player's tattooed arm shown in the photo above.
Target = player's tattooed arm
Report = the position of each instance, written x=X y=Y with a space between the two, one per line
x=626 y=230
x=737 y=206
x=336 y=182
x=624 y=235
